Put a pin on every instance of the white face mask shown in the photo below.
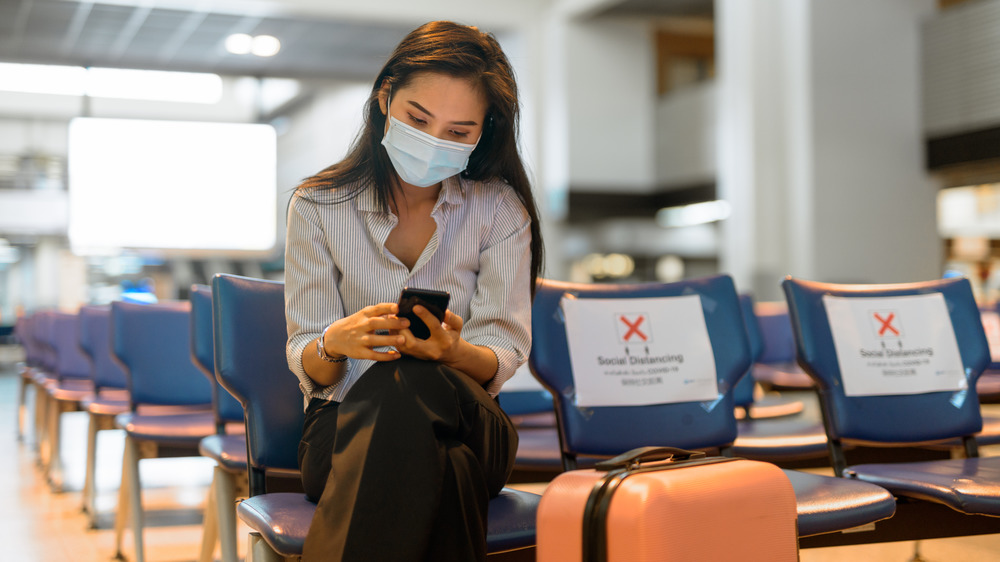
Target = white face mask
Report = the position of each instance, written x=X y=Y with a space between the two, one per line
x=421 y=159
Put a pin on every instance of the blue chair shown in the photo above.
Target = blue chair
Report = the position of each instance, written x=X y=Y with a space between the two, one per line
x=227 y=447
x=937 y=498
x=110 y=396
x=250 y=336
x=743 y=392
x=776 y=367
x=775 y=431
x=64 y=392
x=28 y=335
x=37 y=373
x=749 y=406
x=43 y=376
x=24 y=336
x=152 y=343
x=825 y=504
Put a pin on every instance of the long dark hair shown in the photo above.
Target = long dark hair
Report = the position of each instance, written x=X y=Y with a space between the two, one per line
x=462 y=52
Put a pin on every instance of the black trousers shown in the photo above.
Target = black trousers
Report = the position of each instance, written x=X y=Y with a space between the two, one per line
x=404 y=467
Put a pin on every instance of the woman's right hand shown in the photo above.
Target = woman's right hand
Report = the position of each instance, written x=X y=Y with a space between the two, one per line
x=355 y=335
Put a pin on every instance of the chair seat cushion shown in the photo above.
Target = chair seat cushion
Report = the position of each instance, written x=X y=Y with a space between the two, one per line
x=770 y=407
x=42 y=377
x=103 y=405
x=114 y=402
x=111 y=393
x=511 y=521
x=178 y=429
x=782 y=375
x=990 y=435
x=283 y=519
x=965 y=485
x=74 y=391
x=827 y=504
x=772 y=441
x=230 y=451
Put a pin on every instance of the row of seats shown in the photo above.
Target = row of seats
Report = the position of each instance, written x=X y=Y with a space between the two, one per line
x=210 y=374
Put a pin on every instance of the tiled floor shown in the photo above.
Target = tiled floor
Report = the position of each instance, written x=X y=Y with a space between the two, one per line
x=38 y=525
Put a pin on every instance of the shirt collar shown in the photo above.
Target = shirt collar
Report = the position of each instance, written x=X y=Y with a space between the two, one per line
x=452 y=192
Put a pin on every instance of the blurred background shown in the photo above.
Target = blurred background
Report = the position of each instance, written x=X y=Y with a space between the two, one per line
x=146 y=145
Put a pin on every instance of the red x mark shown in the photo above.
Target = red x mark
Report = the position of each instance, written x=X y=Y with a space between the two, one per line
x=633 y=328
x=886 y=324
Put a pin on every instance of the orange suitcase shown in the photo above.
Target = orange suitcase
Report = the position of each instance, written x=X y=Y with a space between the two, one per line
x=660 y=503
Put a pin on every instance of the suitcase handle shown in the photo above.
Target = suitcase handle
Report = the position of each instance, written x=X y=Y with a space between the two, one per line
x=648 y=454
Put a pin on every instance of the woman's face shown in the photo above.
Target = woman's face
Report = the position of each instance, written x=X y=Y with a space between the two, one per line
x=443 y=106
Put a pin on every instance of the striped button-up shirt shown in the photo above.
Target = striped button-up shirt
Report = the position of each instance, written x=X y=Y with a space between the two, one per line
x=336 y=263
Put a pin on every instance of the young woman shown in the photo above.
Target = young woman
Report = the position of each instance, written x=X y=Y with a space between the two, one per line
x=403 y=442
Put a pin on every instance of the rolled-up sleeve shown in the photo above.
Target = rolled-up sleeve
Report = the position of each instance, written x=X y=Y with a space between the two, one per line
x=312 y=299
x=500 y=316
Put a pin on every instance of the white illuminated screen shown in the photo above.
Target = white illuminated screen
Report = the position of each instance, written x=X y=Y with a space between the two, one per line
x=171 y=185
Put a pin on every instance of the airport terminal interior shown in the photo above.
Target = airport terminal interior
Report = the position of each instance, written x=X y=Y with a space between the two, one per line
x=149 y=150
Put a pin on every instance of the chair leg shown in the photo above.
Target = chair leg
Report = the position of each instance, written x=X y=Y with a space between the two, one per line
x=210 y=523
x=90 y=474
x=132 y=491
x=122 y=514
x=260 y=551
x=22 y=405
x=54 y=473
x=41 y=405
x=225 y=505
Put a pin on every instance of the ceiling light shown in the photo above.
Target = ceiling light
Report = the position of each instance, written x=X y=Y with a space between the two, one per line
x=265 y=46
x=158 y=85
x=116 y=83
x=239 y=43
x=42 y=79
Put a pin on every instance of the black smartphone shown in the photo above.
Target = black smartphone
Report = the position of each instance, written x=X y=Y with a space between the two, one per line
x=434 y=301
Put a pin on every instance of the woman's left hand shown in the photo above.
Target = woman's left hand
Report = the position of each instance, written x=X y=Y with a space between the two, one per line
x=444 y=342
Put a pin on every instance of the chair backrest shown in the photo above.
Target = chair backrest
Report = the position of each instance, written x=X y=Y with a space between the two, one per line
x=152 y=343
x=899 y=418
x=95 y=336
x=743 y=392
x=24 y=335
x=775 y=332
x=250 y=337
x=227 y=408
x=71 y=362
x=616 y=429
x=44 y=335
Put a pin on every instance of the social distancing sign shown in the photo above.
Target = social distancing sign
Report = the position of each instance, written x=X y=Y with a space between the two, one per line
x=636 y=352
x=895 y=345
